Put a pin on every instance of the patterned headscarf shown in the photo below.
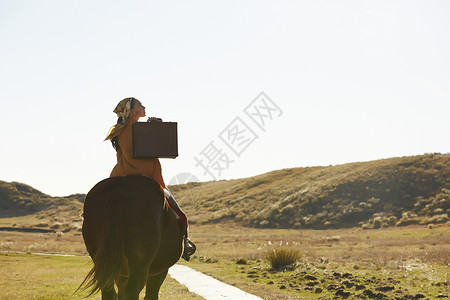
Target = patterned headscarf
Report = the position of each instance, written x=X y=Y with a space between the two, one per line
x=123 y=111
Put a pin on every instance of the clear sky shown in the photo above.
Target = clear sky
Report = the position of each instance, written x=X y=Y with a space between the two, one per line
x=346 y=81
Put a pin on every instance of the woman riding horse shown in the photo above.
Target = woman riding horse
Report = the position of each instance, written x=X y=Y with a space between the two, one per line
x=129 y=110
x=129 y=228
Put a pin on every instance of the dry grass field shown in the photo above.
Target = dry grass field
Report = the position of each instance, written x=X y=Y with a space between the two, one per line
x=388 y=263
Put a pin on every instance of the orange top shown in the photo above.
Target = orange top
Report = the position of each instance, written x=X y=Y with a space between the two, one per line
x=127 y=165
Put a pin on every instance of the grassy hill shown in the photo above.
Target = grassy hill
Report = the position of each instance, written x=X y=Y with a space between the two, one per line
x=396 y=191
x=21 y=199
x=381 y=193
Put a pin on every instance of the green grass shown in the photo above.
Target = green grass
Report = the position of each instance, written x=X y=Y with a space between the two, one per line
x=40 y=277
x=27 y=276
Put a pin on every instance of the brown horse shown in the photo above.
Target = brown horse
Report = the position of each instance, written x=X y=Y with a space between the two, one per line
x=132 y=236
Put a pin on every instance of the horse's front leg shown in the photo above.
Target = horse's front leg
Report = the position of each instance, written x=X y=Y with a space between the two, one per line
x=153 y=284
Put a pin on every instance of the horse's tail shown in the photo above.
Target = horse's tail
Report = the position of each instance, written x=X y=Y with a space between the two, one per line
x=109 y=258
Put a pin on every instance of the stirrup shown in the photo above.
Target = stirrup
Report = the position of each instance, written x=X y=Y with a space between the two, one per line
x=189 y=249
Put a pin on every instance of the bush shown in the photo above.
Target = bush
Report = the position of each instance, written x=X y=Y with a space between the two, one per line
x=392 y=220
x=377 y=223
x=439 y=219
x=41 y=224
x=283 y=258
x=408 y=221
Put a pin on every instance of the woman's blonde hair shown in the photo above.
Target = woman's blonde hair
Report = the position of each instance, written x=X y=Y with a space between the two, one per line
x=122 y=111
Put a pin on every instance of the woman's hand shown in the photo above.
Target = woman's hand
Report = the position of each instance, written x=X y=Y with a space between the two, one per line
x=150 y=119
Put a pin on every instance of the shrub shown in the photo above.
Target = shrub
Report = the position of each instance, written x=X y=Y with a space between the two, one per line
x=392 y=220
x=408 y=221
x=205 y=259
x=264 y=223
x=439 y=219
x=377 y=223
x=283 y=258
x=56 y=225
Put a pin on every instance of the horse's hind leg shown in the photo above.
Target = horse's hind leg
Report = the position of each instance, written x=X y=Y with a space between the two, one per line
x=109 y=294
x=153 y=285
x=136 y=280
x=121 y=285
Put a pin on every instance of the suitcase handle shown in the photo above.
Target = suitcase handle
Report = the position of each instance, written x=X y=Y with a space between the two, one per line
x=150 y=119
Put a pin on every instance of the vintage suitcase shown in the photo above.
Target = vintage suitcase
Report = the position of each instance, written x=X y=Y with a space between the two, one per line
x=155 y=139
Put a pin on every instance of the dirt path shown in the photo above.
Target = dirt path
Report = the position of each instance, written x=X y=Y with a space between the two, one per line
x=206 y=286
